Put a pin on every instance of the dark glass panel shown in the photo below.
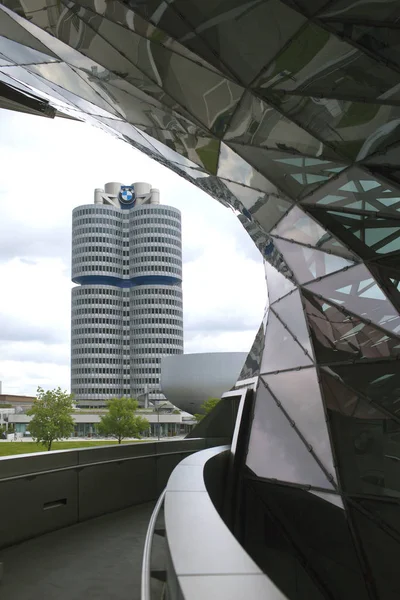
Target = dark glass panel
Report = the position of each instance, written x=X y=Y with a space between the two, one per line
x=365 y=10
x=339 y=336
x=367 y=451
x=277 y=284
x=276 y=451
x=318 y=534
x=256 y=123
x=356 y=290
x=382 y=41
x=281 y=350
x=316 y=62
x=297 y=226
x=294 y=174
x=341 y=399
x=379 y=381
x=245 y=36
x=290 y=310
x=299 y=393
x=382 y=552
x=307 y=263
x=353 y=129
x=386 y=512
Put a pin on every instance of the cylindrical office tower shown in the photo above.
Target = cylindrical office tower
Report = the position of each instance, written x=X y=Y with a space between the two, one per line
x=156 y=326
x=127 y=307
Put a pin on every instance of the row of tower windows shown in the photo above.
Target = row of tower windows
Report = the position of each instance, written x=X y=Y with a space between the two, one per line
x=85 y=229
x=163 y=302
x=106 y=258
x=96 y=209
x=139 y=269
x=117 y=222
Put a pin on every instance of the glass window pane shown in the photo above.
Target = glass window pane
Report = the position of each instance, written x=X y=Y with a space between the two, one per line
x=299 y=227
x=281 y=350
x=299 y=393
x=356 y=290
x=276 y=451
x=307 y=263
x=277 y=284
x=290 y=310
x=340 y=336
x=332 y=498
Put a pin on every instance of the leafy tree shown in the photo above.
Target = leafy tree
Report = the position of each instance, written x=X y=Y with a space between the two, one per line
x=51 y=416
x=206 y=407
x=121 y=422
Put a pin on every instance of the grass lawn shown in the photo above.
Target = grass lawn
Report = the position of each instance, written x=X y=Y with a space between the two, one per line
x=11 y=448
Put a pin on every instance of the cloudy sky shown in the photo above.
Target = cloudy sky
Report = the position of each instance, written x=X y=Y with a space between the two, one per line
x=50 y=166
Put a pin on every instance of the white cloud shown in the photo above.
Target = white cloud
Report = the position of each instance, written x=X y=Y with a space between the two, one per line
x=48 y=168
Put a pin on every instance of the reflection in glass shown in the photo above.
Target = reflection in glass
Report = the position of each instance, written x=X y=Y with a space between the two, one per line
x=357 y=291
x=340 y=336
x=299 y=393
x=277 y=284
x=281 y=350
x=276 y=451
x=291 y=313
x=307 y=263
x=299 y=227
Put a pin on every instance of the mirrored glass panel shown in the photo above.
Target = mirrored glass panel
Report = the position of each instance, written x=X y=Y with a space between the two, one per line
x=290 y=311
x=297 y=226
x=277 y=284
x=307 y=263
x=281 y=350
x=339 y=336
x=357 y=291
x=299 y=393
x=276 y=451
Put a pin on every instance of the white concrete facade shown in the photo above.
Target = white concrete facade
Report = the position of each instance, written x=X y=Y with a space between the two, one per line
x=127 y=308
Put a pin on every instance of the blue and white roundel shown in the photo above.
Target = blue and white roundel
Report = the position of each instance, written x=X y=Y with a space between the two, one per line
x=127 y=194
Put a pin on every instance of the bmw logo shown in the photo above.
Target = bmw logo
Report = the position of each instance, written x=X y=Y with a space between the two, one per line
x=127 y=194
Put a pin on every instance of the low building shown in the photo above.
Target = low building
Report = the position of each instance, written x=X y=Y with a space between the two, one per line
x=86 y=423
x=23 y=402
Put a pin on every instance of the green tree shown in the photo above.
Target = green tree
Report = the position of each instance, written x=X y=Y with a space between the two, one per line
x=51 y=416
x=121 y=422
x=206 y=408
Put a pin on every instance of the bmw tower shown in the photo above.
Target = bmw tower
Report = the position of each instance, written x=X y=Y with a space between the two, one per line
x=127 y=304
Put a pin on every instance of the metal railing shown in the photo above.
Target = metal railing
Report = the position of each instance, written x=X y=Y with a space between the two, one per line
x=148 y=544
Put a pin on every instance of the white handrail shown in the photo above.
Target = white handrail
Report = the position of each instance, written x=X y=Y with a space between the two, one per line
x=146 y=568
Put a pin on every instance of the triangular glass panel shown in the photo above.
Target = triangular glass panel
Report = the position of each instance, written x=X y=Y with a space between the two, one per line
x=356 y=290
x=290 y=310
x=281 y=351
x=276 y=451
x=277 y=284
x=357 y=189
x=381 y=550
x=233 y=167
x=256 y=123
x=297 y=226
x=267 y=209
x=379 y=382
x=340 y=336
x=300 y=396
x=308 y=263
x=338 y=397
x=251 y=367
x=312 y=75
x=291 y=174
x=332 y=498
x=366 y=442
x=387 y=512
x=13 y=27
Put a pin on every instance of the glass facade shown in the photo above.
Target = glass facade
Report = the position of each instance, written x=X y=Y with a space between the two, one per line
x=288 y=112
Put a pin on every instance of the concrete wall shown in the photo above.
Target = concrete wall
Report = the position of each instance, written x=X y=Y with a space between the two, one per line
x=42 y=492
